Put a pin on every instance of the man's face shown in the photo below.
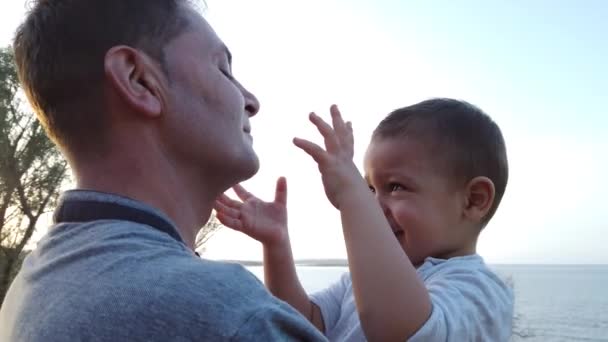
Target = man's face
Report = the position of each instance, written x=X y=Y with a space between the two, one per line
x=207 y=111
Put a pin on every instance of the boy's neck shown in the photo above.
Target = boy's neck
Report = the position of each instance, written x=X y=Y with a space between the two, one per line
x=467 y=248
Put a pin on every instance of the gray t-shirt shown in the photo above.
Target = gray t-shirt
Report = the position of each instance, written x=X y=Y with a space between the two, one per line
x=117 y=280
x=470 y=303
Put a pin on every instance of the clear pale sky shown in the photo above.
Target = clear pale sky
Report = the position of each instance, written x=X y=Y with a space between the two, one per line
x=540 y=69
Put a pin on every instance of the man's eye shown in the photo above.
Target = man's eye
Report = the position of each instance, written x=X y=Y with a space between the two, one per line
x=227 y=74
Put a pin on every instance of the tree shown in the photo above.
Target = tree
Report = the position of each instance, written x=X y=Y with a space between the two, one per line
x=31 y=172
x=203 y=236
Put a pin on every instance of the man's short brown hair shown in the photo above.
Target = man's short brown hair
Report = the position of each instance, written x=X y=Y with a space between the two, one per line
x=60 y=50
x=465 y=140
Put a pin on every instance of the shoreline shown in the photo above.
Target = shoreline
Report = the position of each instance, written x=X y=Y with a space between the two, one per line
x=302 y=262
x=344 y=263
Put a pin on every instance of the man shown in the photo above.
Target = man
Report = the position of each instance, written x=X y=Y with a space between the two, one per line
x=140 y=98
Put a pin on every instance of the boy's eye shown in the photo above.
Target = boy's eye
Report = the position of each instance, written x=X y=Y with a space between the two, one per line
x=371 y=188
x=396 y=187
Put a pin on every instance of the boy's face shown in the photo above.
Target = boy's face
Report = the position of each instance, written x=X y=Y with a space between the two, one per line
x=423 y=209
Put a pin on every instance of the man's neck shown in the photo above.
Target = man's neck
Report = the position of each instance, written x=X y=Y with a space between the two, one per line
x=187 y=202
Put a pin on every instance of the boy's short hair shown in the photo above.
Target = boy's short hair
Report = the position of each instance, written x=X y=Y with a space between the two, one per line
x=60 y=48
x=464 y=139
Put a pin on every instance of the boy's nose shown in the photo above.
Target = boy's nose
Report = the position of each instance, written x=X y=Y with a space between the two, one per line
x=384 y=206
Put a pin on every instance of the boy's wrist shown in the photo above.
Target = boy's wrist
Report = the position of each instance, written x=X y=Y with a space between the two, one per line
x=356 y=188
x=278 y=252
x=278 y=242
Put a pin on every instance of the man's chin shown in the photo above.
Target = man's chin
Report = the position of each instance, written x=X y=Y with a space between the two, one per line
x=232 y=173
x=248 y=167
x=254 y=166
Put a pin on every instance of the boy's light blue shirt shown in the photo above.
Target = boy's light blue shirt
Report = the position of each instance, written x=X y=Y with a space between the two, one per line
x=470 y=303
x=115 y=280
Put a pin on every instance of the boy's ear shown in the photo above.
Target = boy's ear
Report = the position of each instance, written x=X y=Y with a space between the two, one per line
x=480 y=194
x=136 y=79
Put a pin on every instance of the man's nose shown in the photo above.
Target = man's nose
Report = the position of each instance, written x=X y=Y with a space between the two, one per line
x=252 y=105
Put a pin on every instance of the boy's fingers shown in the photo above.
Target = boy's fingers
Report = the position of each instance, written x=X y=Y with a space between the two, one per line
x=241 y=192
x=228 y=202
x=312 y=149
x=226 y=210
x=349 y=135
x=326 y=131
x=337 y=121
x=230 y=222
x=223 y=198
x=219 y=206
x=280 y=195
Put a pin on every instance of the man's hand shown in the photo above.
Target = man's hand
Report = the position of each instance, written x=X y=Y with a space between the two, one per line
x=339 y=173
x=263 y=221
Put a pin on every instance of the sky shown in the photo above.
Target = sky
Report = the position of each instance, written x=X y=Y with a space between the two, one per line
x=538 y=68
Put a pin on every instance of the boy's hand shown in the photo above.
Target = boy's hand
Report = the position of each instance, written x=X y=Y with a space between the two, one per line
x=339 y=173
x=263 y=221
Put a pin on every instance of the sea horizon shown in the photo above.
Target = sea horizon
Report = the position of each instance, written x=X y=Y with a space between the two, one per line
x=330 y=262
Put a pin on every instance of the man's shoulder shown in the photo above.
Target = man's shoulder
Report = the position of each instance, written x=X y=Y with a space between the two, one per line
x=130 y=282
x=210 y=280
x=135 y=256
x=174 y=273
x=129 y=263
x=224 y=300
x=201 y=299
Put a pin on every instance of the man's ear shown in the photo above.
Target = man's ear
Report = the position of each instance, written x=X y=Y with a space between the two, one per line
x=480 y=195
x=135 y=78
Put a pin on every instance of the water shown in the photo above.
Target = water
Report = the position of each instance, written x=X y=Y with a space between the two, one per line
x=552 y=303
x=559 y=303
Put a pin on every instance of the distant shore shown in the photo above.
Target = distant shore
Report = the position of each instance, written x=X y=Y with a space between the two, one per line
x=302 y=262
x=344 y=263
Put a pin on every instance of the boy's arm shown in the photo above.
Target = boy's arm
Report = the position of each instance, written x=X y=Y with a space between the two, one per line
x=276 y=324
x=392 y=301
x=282 y=281
x=267 y=223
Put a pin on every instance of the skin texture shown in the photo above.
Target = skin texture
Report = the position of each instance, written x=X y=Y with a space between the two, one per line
x=176 y=140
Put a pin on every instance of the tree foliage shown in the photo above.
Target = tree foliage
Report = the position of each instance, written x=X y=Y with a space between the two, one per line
x=31 y=172
x=203 y=236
